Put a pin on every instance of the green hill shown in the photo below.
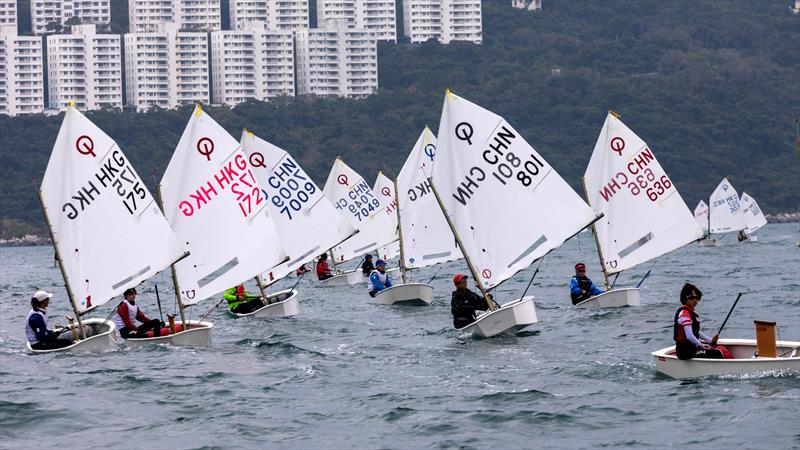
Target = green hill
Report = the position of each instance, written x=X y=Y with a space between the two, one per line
x=713 y=87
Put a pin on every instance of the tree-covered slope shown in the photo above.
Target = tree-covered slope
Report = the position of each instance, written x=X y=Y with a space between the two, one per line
x=713 y=87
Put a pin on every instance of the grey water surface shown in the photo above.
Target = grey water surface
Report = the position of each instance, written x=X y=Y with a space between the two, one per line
x=346 y=373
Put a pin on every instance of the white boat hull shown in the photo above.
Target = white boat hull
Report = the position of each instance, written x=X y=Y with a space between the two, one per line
x=103 y=338
x=708 y=242
x=512 y=316
x=286 y=305
x=197 y=335
x=351 y=277
x=614 y=298
x=406 y=294
x=743 y=360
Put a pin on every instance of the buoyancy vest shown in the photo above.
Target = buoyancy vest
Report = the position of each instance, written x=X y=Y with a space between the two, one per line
x=678 y=334
x=29 y=332
x=133 y=310
x=381 y=276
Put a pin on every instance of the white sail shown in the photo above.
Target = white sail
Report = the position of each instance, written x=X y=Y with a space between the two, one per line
x=357 y=202
x=725 y=209
x=109 y=230
x=701 y=215
x=509 y=206
x=753 y=217
x=427 y=239
x=307 y=222
x=389 y=251
x=216 y=206
x=644 y=216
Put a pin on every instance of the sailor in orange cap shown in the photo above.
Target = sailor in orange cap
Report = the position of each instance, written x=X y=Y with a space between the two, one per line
x=465 y=303
x=581 y=287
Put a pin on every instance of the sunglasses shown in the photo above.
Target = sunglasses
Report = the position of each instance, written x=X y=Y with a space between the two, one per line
x=693 y=297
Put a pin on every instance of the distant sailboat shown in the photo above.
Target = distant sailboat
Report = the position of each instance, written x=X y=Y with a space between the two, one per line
x=506 y=206
x=701 y=216
x=107 y=230
x=753 y=217
x=644 y=216
x=725 y=214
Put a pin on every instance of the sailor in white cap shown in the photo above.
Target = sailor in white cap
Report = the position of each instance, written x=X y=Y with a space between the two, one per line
x=36 y=330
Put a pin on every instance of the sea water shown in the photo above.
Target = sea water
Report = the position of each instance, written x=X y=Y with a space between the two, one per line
x=348 y=373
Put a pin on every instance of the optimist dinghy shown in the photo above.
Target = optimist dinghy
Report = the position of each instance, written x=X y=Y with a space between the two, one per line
x=701 y=216
x=724 y=213
x=754 y=219
x=644 y=216
x=107 y=231
x=506 y=206
x=744 y=360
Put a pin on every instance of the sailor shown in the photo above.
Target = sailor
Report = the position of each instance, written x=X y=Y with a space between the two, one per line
x=36 y=330
x=581 y=287
x=323 y=270
x=465 y=303
x=127 y=315
x=303 y=269
x=742 y=236
x=690 y=342
x=241 y=301
x=378 y=278
x=367 y=266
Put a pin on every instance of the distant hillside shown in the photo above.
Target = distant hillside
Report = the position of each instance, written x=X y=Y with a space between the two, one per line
x=712 y=86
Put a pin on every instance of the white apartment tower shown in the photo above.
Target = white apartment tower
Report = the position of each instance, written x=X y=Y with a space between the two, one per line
x=337 y=61
x=85 y=68
x=377 y=16
x=21 y=80
x=8 y=13
x=445 y=20
x=145 y=16
x=291 y=15
x=58 y=12
x=166 y=68
x=253 y=63
x=530 y=5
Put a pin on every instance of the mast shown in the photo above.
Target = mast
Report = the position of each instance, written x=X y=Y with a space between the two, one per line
x=261 y=286
x=175 y=284
x=61 y=266
x=596 y=239
x=400 y=233
x=461 y=246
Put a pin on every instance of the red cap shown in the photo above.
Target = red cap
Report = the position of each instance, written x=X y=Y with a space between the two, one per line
x=240 y=289
x=580 y=266
x=459 y=277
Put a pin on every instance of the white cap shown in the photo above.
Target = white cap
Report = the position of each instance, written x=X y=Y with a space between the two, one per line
x=42 y=296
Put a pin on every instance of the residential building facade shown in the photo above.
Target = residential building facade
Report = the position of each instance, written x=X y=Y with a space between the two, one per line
x=166 y=68
x=85 y=68
x=376 y=16
x=444 y=20
x=8 y=13
x=146 y=16
x=336 y=60
x=530 y=5
x=21 y=73
x=52 y=16
x=284 y=15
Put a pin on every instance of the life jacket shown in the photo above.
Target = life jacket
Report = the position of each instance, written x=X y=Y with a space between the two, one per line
x=381 y=276
x=29 y=332
x=678 y=334
x=323 y=269
x=584 y=284
x=133 y=310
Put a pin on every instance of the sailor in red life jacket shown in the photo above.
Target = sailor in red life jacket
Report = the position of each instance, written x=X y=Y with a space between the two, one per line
x=127 y=315
x=690 y=342
x=323 y=270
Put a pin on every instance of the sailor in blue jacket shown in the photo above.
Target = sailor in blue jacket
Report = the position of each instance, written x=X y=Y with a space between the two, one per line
x=379 y=279
x=581 y=287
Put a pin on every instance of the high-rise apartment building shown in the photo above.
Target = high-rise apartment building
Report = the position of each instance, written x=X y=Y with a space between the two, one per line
x=337 y=61
x=377 y=16
x=252 y=63
x=51 y=16
x=166 y=68
x=530 y=5
x=445 y=20
x=146 y=16
x=85 y=68
x=291 y=15
x=8 y=13
x=21 y=76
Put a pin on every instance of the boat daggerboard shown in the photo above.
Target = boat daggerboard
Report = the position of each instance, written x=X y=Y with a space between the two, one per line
x=701 y=215
x=644 y=215
x=725 y=209
x=427 y=239
x=307 y=222
x=108 y=228
x=357 y=203
x=753 y=217
x=216 y=206
x=508 y=205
